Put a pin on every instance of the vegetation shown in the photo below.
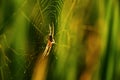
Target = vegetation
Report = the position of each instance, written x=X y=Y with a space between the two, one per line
x=86 y=33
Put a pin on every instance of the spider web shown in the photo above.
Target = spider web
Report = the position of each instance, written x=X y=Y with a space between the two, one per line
x=37 y=17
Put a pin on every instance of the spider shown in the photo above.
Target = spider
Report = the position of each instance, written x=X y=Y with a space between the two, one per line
x=50 y=41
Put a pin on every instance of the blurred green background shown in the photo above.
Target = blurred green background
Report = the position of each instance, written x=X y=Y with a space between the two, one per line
x=86 y=34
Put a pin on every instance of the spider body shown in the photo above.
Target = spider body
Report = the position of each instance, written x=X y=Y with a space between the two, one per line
x=50 y=41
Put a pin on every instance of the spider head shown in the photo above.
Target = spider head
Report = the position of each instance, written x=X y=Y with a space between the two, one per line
x=51 y=34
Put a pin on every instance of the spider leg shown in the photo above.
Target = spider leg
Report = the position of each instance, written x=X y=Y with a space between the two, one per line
x=50 y=30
